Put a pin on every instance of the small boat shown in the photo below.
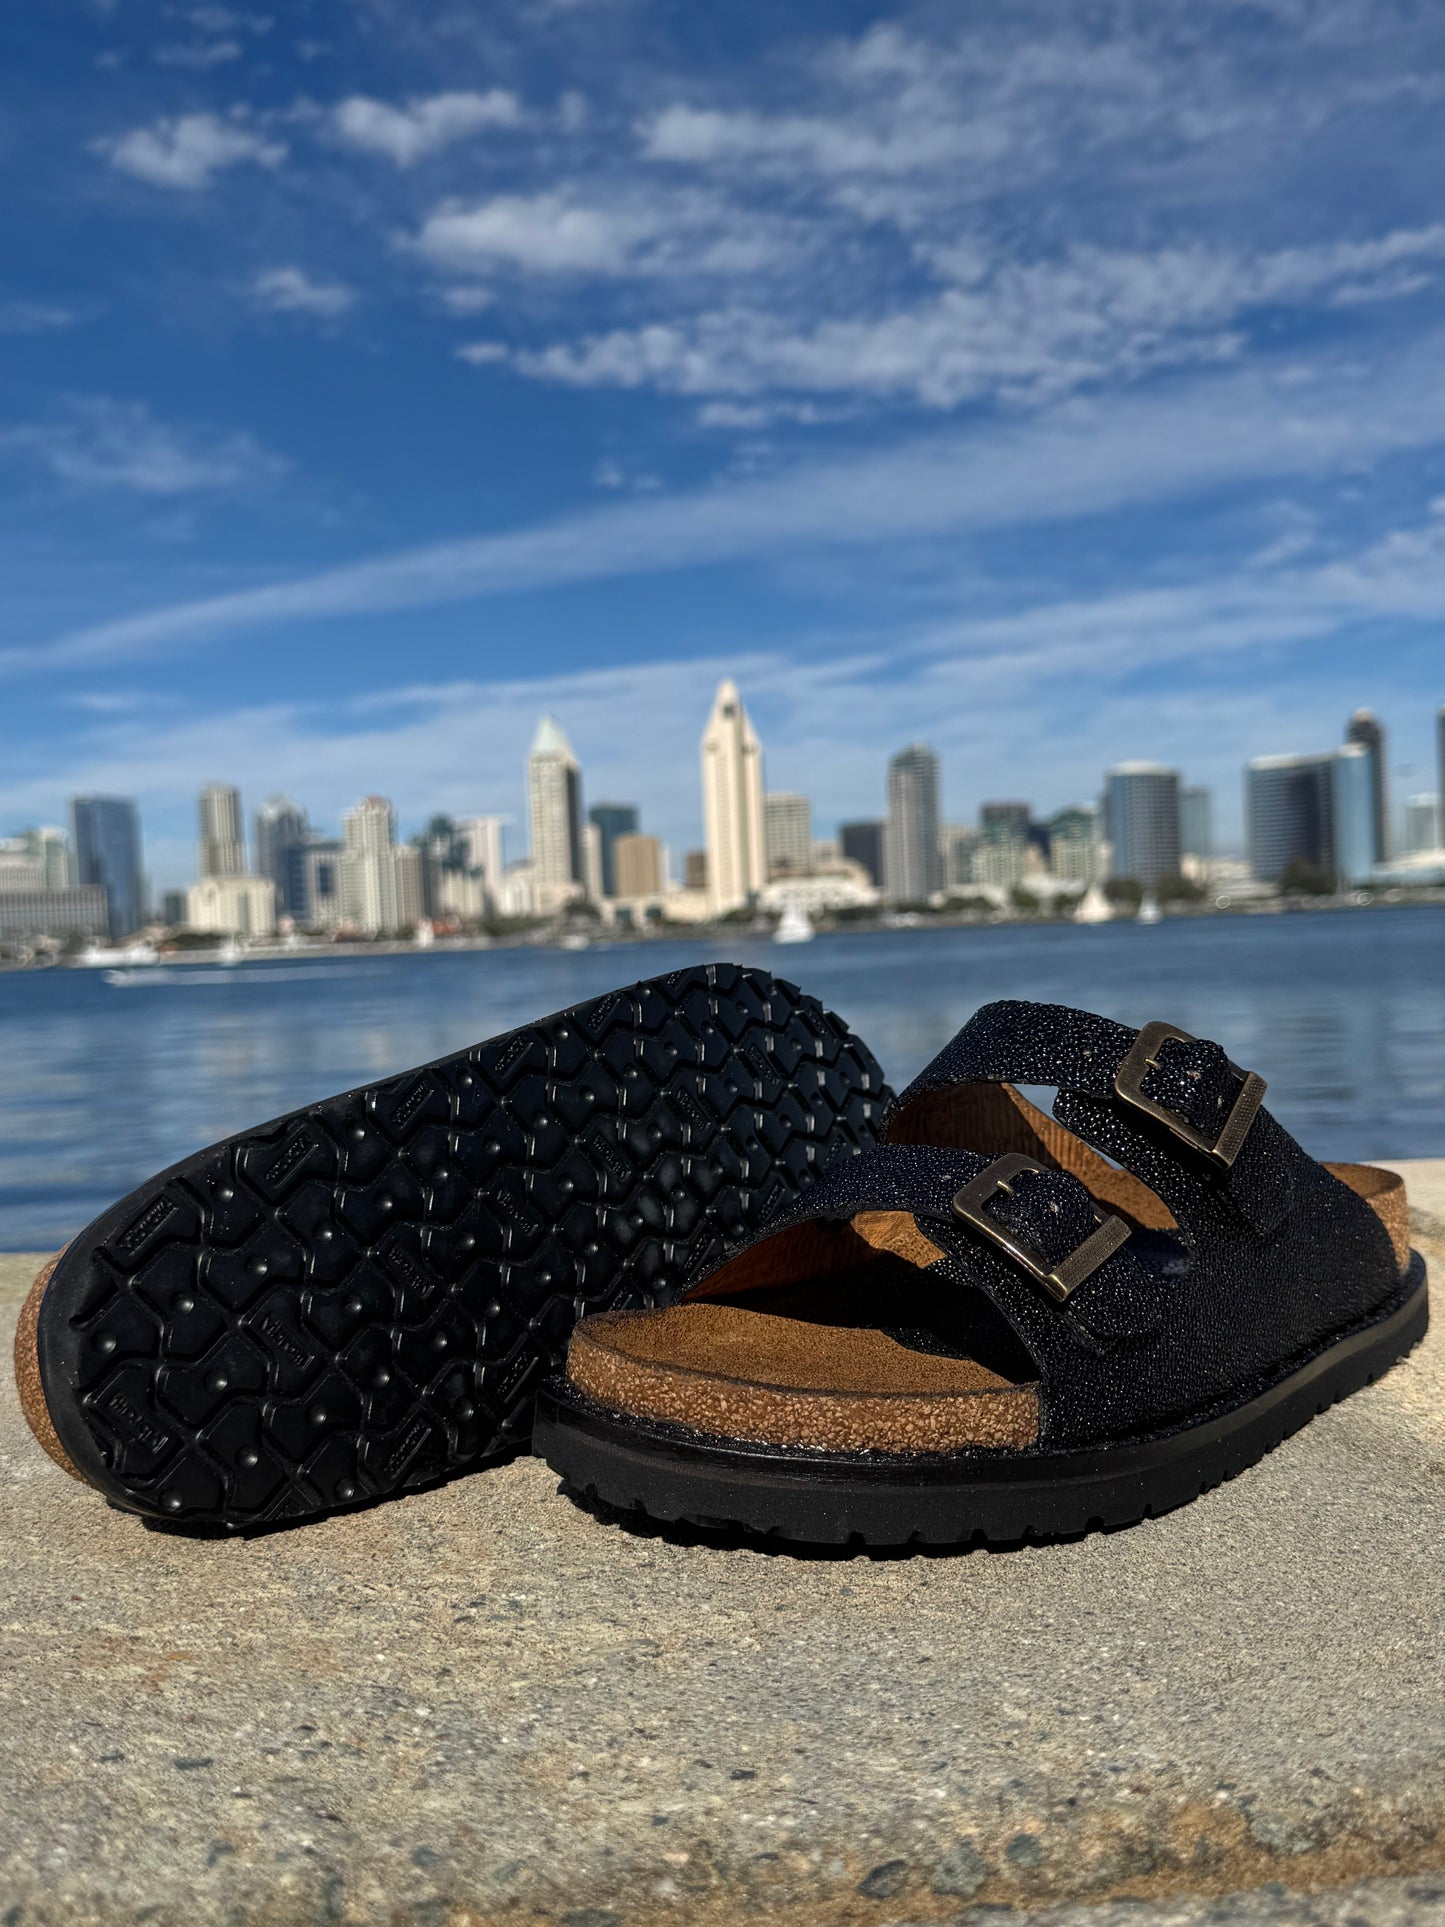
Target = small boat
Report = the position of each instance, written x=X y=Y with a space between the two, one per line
x=795 y=925
x=230 y=953
x=98 y=956
x=1094 y=907
x=1149 y=911
x=574 y=940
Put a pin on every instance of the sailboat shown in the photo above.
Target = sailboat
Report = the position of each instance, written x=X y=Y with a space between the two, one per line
x=1094 y=907
x=795 y=925
x=1149 y=911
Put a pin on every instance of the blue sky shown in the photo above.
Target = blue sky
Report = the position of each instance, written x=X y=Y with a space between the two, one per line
x=1058 y=385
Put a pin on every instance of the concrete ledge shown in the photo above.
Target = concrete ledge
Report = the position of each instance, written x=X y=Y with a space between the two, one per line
x=479 y=1704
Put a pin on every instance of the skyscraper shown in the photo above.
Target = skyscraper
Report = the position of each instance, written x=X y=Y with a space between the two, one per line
x=612 y=820
x=863 y=843
x=554 y=798
x=1354 y=799
x=1440 y=772
x=1144 y=821
x=1364 y=728
x=788 y=833
x=108 y=853
x=223 y=840
x=912 y=858
x=639 y=866
x=1422 y=823
x=1289 y=811
x=380 y=879
x=1196 y=824
x=732 y=803
x=282 y=834
x=1074 y=845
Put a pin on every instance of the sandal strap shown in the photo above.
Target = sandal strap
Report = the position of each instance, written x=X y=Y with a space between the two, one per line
x=1170 y=1107
x=1033 y=1234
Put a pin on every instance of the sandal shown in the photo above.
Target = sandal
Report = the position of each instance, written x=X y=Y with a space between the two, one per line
x=364 y=1296
x=985 y=1330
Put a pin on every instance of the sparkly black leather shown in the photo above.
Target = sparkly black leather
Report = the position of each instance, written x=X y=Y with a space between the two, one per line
x=1272 y=1262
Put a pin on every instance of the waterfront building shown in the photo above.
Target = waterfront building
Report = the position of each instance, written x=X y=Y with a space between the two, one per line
x=1004 y=819
x=732 y=803
x=1074 y=845
x=612 y=820
x=1289 y=814
x=554 y=800
x=381 y=884
x=282 y=834
x=223 y=839
x=863 y=843
x=912 y=860
x=1422 y=824
x=28 y=914
x=36 y=860
x=233 y=906
x=1352 y=806
x=788 y=833
x=1196 y=821
x=694 y=870
x=958 y=846
x=321 y=868
x=106 y=832
x=638 y=867
x=173 y=909
x=1440 y=772
x=1365 y=729
x=1144 y=822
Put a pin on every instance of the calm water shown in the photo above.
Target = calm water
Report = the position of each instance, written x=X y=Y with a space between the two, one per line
x=1343 y=1013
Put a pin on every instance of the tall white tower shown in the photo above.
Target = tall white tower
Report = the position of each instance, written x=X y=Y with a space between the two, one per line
x=554 y=796
x=223 y=841
x=732 y=803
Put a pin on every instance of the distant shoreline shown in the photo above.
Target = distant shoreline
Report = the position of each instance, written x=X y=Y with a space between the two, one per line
x=707 y=933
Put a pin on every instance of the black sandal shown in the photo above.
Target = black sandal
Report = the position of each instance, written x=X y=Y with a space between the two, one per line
x=364 y=1296
x=983 y=1330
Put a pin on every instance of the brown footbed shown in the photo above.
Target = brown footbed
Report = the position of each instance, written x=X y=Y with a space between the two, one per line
x=736 y=1372
x=750 y=1374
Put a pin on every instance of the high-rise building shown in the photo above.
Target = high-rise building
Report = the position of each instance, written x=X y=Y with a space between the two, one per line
x=554 y=797
x=282 y=834
x=1074 y=845
x=732 y=803
x=173 y=908
x=639 y=866
x=1289 y=814
x=1004 y=819
x=108 y=855
x=1440 y=772
x=912 y=859
x=694 y=870
x=612 y=820
x=36 y=860
x=863 y=843
x=958 y=843
x=1364 y=728
x=1354 y=797
x=1144 y=821
x=1196 y=821
x=1422 y=823
x=322 y=862
x=788 y=833
x=55 y=915
x=380 y=879
x=223 y=839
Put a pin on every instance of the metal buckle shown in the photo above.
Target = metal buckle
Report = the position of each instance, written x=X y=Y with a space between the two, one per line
x=1057 y=1280
x=1129 y=1086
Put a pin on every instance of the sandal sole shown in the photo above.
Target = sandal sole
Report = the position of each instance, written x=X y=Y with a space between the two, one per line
x=633 y=1466
x=363 y=1296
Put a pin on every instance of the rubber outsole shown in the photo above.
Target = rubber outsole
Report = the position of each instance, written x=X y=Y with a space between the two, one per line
x=363 y=1296
x=674 y=1477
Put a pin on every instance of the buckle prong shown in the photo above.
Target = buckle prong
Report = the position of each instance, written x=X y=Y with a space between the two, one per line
x=1058 y=1280
x=1143 y=1056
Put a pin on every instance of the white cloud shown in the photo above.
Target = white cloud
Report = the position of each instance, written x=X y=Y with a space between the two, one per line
x=482 y=353
x=1013 y=329
x=198 y=55
x=420 y=127
x=548 y=234
x=187 y=152
x=24 y=317
x=293 y=291
x=100 y=443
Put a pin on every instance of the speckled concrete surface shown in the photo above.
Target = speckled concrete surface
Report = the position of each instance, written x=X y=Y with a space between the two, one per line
x=480 y=1704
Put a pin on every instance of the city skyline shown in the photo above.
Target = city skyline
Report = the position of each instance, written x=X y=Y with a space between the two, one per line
x=1313 y=821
